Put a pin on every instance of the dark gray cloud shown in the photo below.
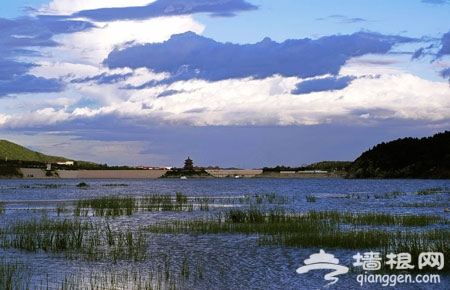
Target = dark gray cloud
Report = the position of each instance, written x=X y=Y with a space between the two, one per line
x=419 y=53
x=24 y=32
x=446 y=73
x=169 y=93
x=104 y=78
x=342 y=19
x=18 y=38
x=168 y=8
x=324 y=84
x=36 y=32
x=189 y=55
x=445 y=49
x=29 y=84
x=9 y=69
x=14 y=79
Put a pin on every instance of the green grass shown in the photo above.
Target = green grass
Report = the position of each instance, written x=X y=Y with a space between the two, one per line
x=14 y=151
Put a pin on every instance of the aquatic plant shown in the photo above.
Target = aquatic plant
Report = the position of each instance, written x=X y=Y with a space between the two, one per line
x=430 y=191
x=109 y=205
x=15 y=274
x=387 y=195
x=329 y=229
x=165 y=202
x=311 y=198
x=60 y=208
x=45 y=234
x=82 y=184
x=75 y=239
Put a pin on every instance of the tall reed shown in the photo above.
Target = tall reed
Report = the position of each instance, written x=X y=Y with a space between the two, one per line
x=15 y=274
x=109 y=205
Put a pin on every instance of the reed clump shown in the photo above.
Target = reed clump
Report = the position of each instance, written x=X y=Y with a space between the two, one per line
x=311 y=198
x=109 y=205
x=75 y=239
x=114 y=206
x=165 y=202
x=433 y=190
x=15 y=274
x=45 y=234
x=387 y=195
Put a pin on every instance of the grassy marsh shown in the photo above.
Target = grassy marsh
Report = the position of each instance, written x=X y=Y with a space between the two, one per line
x=329 y=229
x=74 y=239
x=91 y=236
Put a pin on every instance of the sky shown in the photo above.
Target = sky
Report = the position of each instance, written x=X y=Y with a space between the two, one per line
x=229 y=83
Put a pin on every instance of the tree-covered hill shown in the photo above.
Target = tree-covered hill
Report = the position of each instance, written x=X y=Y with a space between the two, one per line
x=323 y=165
x=405 y=158
x=12 y=151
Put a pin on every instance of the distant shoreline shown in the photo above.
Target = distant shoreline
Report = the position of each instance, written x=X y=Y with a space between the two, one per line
x=37 y=173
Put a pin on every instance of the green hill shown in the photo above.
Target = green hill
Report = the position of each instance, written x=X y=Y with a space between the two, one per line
x=12 y=151
x=406 y=158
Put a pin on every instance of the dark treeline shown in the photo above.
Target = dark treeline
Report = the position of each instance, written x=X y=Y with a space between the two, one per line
x=324 y=165
x=427 y=157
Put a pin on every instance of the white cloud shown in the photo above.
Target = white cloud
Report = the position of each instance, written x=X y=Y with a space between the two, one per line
x=406 y=95
x=372 y=65
x=93 y=46
x=262 y=102
x=67 y=7
x=252 y=102
x=67 y=70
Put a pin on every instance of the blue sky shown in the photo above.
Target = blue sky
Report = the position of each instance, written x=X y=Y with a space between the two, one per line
x=233 y=83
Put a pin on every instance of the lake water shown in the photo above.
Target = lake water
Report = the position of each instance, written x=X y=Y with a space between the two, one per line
x=209 y=261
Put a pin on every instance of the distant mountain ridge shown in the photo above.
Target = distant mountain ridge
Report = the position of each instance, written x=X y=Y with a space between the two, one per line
x=427 y=157
x=12 y=151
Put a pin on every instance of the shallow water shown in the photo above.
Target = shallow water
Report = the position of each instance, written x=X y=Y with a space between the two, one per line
x=213 y=261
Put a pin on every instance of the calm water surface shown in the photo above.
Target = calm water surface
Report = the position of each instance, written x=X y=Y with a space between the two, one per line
x=216 y=261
